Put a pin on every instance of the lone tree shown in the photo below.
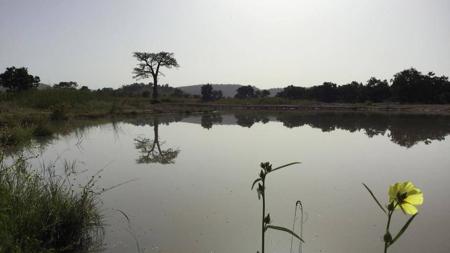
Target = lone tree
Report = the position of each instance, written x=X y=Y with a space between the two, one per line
x=209 y=94
x=18 y=79
x=245 y=92
x=149 y=64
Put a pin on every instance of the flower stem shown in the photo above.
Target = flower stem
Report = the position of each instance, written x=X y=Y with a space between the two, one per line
x=387 y=237
x=263 y=230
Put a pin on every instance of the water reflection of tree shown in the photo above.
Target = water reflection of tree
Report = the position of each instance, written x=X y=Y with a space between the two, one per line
x=209 y=119
x=150 y=150
x=250 y=118
x=404 y=130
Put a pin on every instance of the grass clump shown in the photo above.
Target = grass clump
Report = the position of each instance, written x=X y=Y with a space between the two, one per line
x=43 y=213
x=59 y=113
x=42 y=130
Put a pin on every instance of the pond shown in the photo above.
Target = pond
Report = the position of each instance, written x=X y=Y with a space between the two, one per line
x=183 y=181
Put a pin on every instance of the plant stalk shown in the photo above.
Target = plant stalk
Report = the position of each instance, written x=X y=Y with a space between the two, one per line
x=386 y=243
x=263 y=228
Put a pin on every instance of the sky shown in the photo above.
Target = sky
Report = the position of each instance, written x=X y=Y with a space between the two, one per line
x=266 y=43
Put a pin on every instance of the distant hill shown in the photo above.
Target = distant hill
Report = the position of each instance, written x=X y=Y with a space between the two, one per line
x=228 y=90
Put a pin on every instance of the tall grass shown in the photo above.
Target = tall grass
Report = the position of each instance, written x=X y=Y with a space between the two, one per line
x=42 y=212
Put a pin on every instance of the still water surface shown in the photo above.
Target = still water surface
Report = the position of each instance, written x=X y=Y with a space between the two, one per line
x=189 y=180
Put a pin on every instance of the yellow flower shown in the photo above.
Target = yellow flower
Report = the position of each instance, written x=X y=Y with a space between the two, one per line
x=405 y=196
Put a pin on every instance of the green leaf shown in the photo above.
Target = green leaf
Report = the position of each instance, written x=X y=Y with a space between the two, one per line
x=282 y=166
x=256 y=181
x=400 y=233
x=285 y=230
x=375 y=198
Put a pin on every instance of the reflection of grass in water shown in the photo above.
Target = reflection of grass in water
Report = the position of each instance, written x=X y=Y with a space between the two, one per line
x=298 y=205
x=261 y=190
x=44 y=213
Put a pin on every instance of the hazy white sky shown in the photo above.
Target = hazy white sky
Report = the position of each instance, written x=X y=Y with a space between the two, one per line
x=267 y=43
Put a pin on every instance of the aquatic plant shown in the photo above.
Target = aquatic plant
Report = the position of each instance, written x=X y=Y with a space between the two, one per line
x=43 y=212
x=405 y=196
x=266 y=168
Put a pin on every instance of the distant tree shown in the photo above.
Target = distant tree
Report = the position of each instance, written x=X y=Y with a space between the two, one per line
x=327 y=92
x=351 y=93
x=411 y=86
x=209 y=94
x=377 y=90
x=134 y=89
x=149 y=65
x=84 y=88
x=217 y=94
x=292 y=92
x=264 y=93
x=244 y=92
x=66 y=85
x=18 y=79
x=106 y=91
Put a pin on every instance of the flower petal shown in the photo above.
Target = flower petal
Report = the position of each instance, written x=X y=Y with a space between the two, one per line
x=415 y=199
x=409 y=209
x=407 y=186
x=393 y=189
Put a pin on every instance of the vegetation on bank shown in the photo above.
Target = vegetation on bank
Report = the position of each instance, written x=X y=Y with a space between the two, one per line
x=407 y=86
x=42 y=212
x=27 y=111
x=34 y=113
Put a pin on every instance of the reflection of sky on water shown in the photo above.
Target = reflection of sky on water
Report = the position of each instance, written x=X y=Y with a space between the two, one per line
x=203 y=203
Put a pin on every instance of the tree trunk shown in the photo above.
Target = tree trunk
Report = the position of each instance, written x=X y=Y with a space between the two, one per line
x=155 y=88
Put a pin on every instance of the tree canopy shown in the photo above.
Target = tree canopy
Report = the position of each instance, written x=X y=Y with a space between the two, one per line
x=18 y=79
x=209 y=94
x=245 y=92
x=407 y=86
x=66 y=85
x=150 y=64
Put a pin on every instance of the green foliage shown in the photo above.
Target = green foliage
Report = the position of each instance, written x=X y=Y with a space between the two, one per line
x=149 y=65
x=408 y=86
x=44 y=213
x=18 y=79
x=411 y=86
x=67 y=85
x=245 y=92
x=209 y=94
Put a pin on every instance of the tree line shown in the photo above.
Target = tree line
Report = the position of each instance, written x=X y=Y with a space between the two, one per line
x=407 y=86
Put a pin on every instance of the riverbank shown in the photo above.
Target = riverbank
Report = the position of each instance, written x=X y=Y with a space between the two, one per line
x=34 y=114
x=330 y=107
